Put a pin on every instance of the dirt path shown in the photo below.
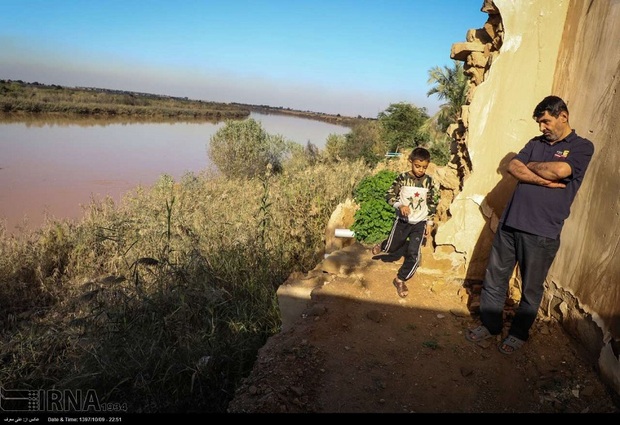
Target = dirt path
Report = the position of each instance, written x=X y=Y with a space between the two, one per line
x=356 y=347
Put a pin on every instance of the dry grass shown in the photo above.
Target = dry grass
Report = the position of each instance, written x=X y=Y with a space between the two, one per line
x=160 y=303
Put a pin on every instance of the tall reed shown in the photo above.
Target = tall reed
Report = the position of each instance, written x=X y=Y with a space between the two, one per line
x=160 y=303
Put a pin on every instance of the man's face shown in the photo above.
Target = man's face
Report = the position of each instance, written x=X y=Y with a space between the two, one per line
x=418 y=167
x=552 y=128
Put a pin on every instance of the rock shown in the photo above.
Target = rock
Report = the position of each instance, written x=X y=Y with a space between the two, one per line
x=466 y=371
x=588 y=391
x=341 y=218
x=316 y=310
x=374 y=315
x=459 y=313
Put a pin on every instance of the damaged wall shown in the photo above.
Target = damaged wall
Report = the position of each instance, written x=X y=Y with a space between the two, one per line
x=545 y=50
x=587 y=76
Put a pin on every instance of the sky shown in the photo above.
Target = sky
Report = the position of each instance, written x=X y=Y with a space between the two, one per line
x=348 y=57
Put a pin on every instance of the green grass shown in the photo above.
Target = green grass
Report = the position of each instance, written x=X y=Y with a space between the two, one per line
x=432 y=344
x=161 y=302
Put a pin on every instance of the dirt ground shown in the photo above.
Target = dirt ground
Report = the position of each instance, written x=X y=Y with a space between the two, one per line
x=351 y=345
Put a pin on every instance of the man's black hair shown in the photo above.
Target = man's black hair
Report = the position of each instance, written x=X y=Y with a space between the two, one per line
x=552 y=104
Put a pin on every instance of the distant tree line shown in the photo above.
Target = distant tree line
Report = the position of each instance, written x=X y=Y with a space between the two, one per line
x=36 y=98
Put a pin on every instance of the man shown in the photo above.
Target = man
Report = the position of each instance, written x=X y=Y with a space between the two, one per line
x=549 y=170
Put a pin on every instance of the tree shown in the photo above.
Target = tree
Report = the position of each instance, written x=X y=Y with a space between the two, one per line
x=244 y=149
x=450 y=84
x=400 y=125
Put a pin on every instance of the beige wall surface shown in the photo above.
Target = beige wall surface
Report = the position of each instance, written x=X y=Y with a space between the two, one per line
x=569 y=48
x=500 y=122
x=588 y=78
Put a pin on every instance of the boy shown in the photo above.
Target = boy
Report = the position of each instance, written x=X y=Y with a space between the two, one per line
x=415 y=196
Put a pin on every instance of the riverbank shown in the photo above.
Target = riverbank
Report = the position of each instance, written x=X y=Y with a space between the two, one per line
x=24 y=98
x=317 y=116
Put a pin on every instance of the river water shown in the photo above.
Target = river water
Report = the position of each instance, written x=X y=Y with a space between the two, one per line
x=53 y=167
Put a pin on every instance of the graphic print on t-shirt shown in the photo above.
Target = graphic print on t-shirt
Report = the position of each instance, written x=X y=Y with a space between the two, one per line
x=415 y=198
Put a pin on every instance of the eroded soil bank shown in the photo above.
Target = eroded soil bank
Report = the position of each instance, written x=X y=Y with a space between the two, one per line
x=356 y=347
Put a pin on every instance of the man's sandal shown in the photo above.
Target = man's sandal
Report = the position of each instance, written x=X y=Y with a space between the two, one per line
x=401 y=288
x=510 y=345
x=478 y=334
x=376 y=250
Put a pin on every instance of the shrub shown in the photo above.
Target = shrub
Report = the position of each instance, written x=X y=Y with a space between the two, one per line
x=374 y=218
x=362 y=142
x=244 y=149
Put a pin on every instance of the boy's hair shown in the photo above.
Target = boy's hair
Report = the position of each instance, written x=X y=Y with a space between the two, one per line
x=420 y=153
x=552 y=104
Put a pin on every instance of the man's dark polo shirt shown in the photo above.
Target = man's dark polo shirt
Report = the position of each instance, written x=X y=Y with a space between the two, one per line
x=541 y=210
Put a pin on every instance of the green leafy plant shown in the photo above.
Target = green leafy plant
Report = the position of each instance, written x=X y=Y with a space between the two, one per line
x=373 y=220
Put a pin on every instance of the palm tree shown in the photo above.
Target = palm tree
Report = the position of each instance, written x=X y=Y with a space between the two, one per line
x=449 y=84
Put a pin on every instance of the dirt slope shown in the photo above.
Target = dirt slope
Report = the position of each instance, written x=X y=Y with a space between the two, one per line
x=356 y=347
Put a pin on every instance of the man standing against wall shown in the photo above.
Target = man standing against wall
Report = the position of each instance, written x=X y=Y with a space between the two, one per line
x=549 y=170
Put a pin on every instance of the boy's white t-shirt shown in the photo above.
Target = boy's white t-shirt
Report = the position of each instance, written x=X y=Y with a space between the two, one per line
x=415 y=198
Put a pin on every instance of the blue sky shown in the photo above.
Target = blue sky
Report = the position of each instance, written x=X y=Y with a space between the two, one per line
x=349 y=57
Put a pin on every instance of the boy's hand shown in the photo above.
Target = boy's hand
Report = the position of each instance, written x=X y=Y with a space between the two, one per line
x=404 y=210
